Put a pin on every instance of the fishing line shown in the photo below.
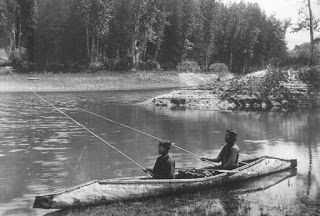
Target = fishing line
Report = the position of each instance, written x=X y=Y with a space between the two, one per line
x=88 y=130
x=144 y=133
x=123 y=125
x=159 y=139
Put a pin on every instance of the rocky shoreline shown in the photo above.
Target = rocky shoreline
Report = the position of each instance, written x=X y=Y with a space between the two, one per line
x=259 y=91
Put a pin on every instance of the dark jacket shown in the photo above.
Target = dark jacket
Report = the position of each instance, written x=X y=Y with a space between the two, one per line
x=229 y=157
x=164 y=167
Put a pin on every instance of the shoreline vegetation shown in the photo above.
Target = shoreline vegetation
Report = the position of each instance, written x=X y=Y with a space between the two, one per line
x=168 y=39
x=272 y=89
x=122 y=35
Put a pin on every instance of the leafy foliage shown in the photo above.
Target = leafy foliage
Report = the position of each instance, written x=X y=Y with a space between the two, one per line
x=311 y=76
x=262 y=87
x=270 y=84
x=300 y=55
x=219 y=68
x=307 y=21
x=132 y=33
x=189 y=66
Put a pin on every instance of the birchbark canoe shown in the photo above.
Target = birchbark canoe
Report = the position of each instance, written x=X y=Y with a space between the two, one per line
x=122 y=189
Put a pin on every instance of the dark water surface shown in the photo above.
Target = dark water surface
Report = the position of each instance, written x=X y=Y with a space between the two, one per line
x=41 y=150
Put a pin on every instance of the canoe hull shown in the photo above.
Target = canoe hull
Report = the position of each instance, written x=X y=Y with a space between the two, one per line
x=113 y=190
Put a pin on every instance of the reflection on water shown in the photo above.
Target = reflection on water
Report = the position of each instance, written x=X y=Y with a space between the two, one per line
x=40 y=149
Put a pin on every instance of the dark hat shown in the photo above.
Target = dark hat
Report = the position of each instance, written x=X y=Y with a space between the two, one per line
x=166 y=144
x=232 y=133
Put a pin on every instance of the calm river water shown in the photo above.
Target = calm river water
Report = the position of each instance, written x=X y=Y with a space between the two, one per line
x=41 y=151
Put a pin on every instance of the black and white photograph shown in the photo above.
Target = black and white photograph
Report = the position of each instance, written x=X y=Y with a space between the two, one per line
x=159 y=107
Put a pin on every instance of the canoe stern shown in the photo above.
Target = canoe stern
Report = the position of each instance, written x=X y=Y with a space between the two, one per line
x=294 y=163
x=44 y=202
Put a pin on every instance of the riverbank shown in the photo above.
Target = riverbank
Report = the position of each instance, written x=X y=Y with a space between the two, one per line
x=266 y=90
x=100 y=81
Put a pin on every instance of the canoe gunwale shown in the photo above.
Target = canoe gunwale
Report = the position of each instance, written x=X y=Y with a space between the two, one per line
x=173 y=181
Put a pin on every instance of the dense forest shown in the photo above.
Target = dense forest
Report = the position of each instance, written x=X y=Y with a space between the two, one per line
x=145 y=34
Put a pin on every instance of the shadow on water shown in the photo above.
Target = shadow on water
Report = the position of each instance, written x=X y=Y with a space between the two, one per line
x=225 y=199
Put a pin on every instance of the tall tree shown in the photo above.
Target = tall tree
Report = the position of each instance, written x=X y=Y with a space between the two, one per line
x=123 y=34
x=8 y=10
x=96 y=16
x=308 y=22
x=311 y=32
x=17 y=24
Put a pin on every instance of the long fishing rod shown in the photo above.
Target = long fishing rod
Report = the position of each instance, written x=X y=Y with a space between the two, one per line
x=88 y=130
x=126 y=156
x=142 y=132
x=91 y=132
x=103 y=117
x=159 y=139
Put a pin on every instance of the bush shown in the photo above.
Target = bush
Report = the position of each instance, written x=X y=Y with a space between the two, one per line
x=168 y=66
x=189 y=66
x=3 y=62
x=123 y=64
x=310 y=76
x=19 y=59
x=18 y=56
x=262 y=87
x=300 y=55
x=95 y=66
x=110 y=63
x=150 y=65
x=271 y=82
x=3 y=58
x=219 y=68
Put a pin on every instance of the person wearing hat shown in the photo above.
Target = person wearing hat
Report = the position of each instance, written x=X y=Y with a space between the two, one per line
x=164 y=167
x=229 y=155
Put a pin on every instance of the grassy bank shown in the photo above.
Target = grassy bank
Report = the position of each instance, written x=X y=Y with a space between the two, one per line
x=99 y=81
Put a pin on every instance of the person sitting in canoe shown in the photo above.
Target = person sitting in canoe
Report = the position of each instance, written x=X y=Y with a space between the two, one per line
x=229 y=154
x=164 y=167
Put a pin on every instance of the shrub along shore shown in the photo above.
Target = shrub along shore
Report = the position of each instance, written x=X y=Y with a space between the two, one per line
x=266 y=90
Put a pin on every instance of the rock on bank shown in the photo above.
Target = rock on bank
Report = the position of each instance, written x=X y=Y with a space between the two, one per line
x=271 y=89
x=192 y=99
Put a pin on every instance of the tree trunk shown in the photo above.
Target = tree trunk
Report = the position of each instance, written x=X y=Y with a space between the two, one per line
x=12 y=40
x=311 y=61
x=92 y=48
x=269 y=56
x=231 y=61
x=207 y=53
x=157 y=50
x=18 y=30
x=136 y=43
x=144 y=51
x=87 y=39
x=98 y=49
x=163 y=23
x=159 y=41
